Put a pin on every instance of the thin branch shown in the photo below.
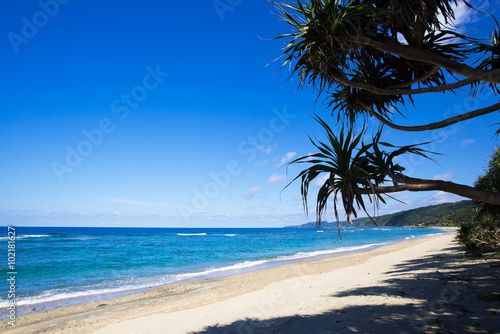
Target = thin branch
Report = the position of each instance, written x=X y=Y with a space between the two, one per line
x=386 y=91
x=435 y=125
x=416 y=80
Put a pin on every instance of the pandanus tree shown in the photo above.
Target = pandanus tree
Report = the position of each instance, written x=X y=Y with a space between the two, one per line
x=353 y=169
x=368 y=59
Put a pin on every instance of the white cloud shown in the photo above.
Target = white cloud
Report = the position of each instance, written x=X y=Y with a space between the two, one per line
x=445 y=177
x=466 y=142
x=276 y=178
x=287 y=157
x=266 y=149
x=321 y=180
x=134 y=202
x=222 y=215
x=444 y=197
x=465 y=15
x=251 y=193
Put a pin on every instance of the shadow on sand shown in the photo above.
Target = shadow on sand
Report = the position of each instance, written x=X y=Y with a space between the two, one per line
x=463 y=297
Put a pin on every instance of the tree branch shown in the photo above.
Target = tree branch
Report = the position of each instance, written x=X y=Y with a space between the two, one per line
x=387 y=91
x=414 y=184
x=413 y=53
x=417 y=80
x=435 y=125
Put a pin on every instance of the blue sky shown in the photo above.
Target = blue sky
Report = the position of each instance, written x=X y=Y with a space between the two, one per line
x=166 y=113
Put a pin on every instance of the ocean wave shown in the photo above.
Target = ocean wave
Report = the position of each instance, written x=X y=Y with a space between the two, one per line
x=237 y=266
x=326 y=252
x=27 y=236
x=295 y=257
x=230 y=235
x=51 y=295
x=188 y=234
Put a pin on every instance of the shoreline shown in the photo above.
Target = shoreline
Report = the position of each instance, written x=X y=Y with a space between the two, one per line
x=213 y=273
x=176 y=298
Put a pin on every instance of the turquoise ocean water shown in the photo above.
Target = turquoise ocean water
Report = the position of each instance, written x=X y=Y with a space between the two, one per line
x=58 y=266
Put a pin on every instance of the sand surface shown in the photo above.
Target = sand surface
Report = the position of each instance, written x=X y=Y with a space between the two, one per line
x=392 y=289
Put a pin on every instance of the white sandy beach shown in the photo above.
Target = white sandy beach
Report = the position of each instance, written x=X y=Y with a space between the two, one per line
x=392 y=289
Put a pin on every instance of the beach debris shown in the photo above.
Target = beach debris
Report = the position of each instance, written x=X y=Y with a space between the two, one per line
x=286 y=323
x=447 y=277
x=443 y=276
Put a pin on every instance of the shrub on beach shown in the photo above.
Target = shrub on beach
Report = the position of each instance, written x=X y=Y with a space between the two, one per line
x=481 y=234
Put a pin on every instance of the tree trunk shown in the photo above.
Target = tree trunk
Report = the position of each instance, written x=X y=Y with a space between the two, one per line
x=414 y=184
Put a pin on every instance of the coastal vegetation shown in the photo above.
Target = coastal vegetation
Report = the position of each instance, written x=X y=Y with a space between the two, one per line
x=440 y=215
x=481 y=233
x=367 y=60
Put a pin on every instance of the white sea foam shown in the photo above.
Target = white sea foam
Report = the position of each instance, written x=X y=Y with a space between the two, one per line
x=285 y=258
x=237 y=266
x=433 y=234
x=27 y=236
x=306 y=255
x=230 y=235
x=188 y=234
x=51 y=295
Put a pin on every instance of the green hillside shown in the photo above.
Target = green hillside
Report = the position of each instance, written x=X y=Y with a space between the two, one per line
x=447 y=214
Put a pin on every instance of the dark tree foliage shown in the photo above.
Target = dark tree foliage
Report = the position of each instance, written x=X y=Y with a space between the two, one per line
x=369 y=59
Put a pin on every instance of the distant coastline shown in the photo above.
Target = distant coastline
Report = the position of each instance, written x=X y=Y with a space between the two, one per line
x=440 y=215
